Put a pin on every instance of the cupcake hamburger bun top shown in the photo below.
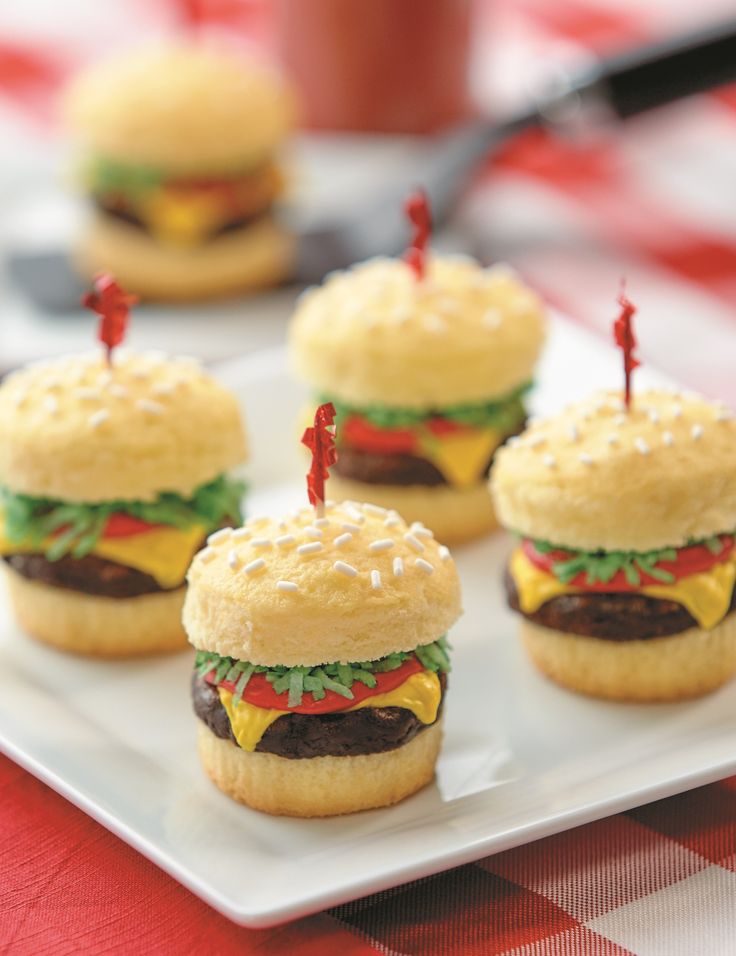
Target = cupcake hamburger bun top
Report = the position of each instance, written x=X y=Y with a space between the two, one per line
x=354 y=586
x=187 y=108
x=597 y=477
x=374 y=334
x=76 y=430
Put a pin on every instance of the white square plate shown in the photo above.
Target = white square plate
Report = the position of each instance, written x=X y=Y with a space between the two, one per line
x=522 y=758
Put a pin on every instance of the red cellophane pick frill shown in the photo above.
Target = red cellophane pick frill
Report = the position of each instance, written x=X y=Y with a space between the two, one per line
x=112 y=304
x=417 y=211
x=320 y=439
x=623 y=334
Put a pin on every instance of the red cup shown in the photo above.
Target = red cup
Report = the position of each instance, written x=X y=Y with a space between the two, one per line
x=398 y=66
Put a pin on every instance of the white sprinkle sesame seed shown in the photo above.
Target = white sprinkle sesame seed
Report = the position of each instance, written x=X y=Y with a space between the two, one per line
x=668 y=438
x=585 y=458
x=492 y=318
x=347 y=569
x=433 y=323
x=573 y=433
x=104 y=378
x=140 y=373
x=620 y=420
x=220 y=535
x=514 y=441
x=654 y=416
x=163 y=388
x=233 y=560
x=444 y=552
x=677 y=411
x=383 y=544
x=355 y=528
x=287 y=586
x=697 y=431
x=19 y=398
x=260 y=543
x=313 y=532
x=118 y=391
x=420 y=531
x=242 y=534
x=550 y=461
x=724 y=415
x=355 y=515
x=398 y=567
x=342 y=539
x=641 y=446
x=284 y=539
x=321 y=522
x=534 y=441
x=613 y=439
x=207 y=555
x=254 y=566
x=146 y=405
x=98 y=417
x=413 y=542
x=310 y=548
x=392 y=522
x=375 y=510
x=51 y=404
x=376 y=579
x=424 y=565
x=261 y=519
x=87 y=394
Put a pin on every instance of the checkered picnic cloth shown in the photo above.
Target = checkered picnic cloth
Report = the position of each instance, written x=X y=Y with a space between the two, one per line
x=655 y=203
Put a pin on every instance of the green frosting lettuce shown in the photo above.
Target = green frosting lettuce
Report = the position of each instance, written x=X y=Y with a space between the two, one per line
x=32 y=520
x=104 y=175
x=504 y=414
x=298 y=681
x=604 y=565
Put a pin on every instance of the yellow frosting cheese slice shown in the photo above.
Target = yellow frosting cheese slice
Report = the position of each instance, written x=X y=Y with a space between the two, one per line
x=421 y=694
x=461 y=456
x=707 y=595
x=164 y=553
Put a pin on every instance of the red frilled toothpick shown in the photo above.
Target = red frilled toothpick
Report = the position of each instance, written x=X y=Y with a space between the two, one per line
x=417 y=212
x=623 y=334
x=112 y=304
x=320 y=439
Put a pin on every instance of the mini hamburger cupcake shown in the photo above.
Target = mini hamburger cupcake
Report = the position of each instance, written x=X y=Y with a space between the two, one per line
x=624 y=572
x=181 y=166
x=427 y=361
x=111 y=477
x=321 y=658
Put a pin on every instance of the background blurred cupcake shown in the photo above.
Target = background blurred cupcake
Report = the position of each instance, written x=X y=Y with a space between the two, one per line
x=181 y=166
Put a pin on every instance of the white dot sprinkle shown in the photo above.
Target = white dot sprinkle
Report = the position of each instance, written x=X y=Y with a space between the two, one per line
x=654 y=416
x=321 y=522
x=342 y=539
x=140 y=373
x=668 y=438
x=444 y=552
x=254 y=566
x=398 y=567
x=104 y=378
x=392 y=522
x=98 y=417
x=424 y=565
x=376 y=579
x=641 y=446
x=383 y=544
x=433 y=323
x=287 y=586
x=354 y=528
x=697 y=431
x=261 y=543
x=87 y=394
x=492 y=318
x=677 y=411
x=284 y=539
x=620 y=420
x=151 y=408
x=220 y=535
x=50 y=404
x=724 y=415
x=420 y=531
x=312 y=532
x=413 y=542
x=310 y=548
x=118 y=391
x=514 y=441
x=163 y=388
x=242 y=534
x=573 y=433
x=534 y=441
x=550 y=461
x=207 y=555
x=19 y=398
x=585 y=458
x=375 y=510
x=347 y=569
x=612 y=439
x=233 y=560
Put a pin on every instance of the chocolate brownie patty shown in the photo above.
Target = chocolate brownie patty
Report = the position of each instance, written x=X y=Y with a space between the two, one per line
x=616 y=616
x=90 y=575
x=370 y=730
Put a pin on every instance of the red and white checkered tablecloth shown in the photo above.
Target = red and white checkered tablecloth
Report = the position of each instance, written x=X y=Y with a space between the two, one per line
x=656 y=203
